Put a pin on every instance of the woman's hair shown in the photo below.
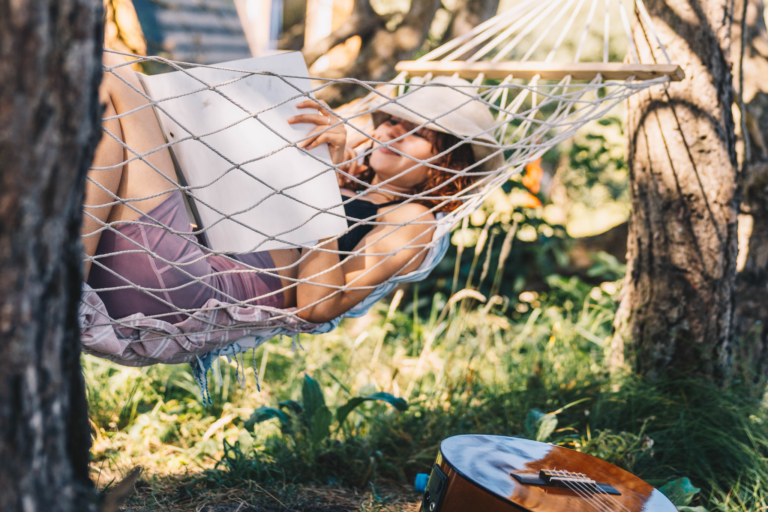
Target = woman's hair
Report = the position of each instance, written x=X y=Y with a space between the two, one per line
x=439 y=182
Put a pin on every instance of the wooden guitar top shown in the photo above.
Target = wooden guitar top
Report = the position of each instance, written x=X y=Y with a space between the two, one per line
x=480 y=468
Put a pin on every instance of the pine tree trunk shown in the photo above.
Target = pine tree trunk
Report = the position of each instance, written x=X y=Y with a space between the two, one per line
x=677 y=305
x=50 y=56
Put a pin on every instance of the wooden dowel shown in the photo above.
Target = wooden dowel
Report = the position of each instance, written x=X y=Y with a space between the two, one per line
x=546 y=70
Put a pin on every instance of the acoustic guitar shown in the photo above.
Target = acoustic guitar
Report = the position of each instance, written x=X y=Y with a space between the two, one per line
x=477 y=473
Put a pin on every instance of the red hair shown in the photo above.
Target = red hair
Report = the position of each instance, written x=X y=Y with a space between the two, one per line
x=440 y=183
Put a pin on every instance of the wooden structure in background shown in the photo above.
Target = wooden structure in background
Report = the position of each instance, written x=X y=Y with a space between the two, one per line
x=204 y=31
x=262 y=22
x=546 y=71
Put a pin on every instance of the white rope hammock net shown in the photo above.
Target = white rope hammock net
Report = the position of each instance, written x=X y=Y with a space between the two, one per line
x=526 y=66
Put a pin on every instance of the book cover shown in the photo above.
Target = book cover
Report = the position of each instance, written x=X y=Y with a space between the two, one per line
x=228 y=133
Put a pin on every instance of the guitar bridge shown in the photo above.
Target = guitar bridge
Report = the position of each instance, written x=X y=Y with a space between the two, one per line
x=577 y=482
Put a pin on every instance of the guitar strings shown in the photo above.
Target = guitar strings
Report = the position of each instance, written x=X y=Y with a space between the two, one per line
x=596 y=492
x=601 y=493
x=588 y=497
x=575 y=485
x=592 y=496
x=605 y=494
x=584 y=494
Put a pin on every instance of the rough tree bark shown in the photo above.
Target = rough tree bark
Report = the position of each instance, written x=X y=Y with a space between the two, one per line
x=677 y=303
x=50 y=55
x=751 y=312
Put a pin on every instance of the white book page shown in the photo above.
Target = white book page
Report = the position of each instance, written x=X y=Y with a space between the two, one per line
x=278 y=196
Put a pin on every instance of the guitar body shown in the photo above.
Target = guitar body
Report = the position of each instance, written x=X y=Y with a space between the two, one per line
x=505 y=474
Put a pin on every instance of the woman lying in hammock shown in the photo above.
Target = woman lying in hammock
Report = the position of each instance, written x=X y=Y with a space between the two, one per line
x=312 y=281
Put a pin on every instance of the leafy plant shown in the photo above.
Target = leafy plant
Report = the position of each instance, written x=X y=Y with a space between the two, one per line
x=312 y=415
x=540 y=426
x=621 y=448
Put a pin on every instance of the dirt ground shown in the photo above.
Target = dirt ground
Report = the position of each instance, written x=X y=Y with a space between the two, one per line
x=251 y=497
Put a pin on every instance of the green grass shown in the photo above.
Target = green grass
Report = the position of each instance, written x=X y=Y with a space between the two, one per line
x=482 y=373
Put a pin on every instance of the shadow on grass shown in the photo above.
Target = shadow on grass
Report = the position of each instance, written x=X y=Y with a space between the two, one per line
x=659 y=431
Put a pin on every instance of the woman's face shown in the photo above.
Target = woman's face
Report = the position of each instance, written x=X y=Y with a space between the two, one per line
x=388 y=164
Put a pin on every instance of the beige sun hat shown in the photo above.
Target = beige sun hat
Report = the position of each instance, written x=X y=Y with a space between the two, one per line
x=457 y=112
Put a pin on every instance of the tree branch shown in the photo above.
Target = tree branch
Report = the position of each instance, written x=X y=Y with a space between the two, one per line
x=467 y=15
x=362 y=22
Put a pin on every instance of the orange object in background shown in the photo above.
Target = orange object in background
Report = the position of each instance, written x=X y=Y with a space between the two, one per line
x=533 y=175
x=532 y=181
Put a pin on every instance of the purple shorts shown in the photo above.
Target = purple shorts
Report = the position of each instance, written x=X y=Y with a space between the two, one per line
x=182 y=276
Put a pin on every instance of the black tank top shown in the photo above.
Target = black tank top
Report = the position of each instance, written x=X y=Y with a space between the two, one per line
x=357 y=210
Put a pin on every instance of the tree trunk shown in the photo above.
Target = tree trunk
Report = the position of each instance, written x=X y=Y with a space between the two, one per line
x=50 y=56
x=467 y=15
x=381 y=48
x=751 y=312
x=676 y=310
x=377 y=60
x=362 y=22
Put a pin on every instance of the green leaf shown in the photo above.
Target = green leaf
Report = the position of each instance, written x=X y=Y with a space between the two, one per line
x=266 y=413
x=540 y=426
x=680 y=492
x=320 y=427
x=547 y=425
x=343 y=411
x=311 y=397
x=692 y=509
x=292 y=406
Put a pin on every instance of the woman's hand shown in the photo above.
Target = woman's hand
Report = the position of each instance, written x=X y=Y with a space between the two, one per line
x=326 y=132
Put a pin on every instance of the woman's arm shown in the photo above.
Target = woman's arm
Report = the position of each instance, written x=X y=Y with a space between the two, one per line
x=329 y=289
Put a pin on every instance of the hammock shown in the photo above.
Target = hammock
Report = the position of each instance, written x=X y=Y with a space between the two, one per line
x=526 y=66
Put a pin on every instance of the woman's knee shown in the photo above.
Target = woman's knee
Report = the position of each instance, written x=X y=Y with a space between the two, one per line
x=110 y=59
x=120 y=83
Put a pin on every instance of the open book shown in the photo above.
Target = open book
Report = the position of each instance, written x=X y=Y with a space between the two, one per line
x=249 y=189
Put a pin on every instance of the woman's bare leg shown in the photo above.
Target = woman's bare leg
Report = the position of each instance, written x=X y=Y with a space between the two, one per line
x=103 y=180
x=152 y=174
x=110 y=176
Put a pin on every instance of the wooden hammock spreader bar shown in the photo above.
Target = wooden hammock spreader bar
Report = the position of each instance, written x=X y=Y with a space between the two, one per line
x=545 y=70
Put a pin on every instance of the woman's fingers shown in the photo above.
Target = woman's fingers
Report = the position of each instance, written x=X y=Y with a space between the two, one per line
x=311 y=137
x=317 y=119
x=322 y=139
x=324 y=117
x=314 y=140
x=316 y=104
